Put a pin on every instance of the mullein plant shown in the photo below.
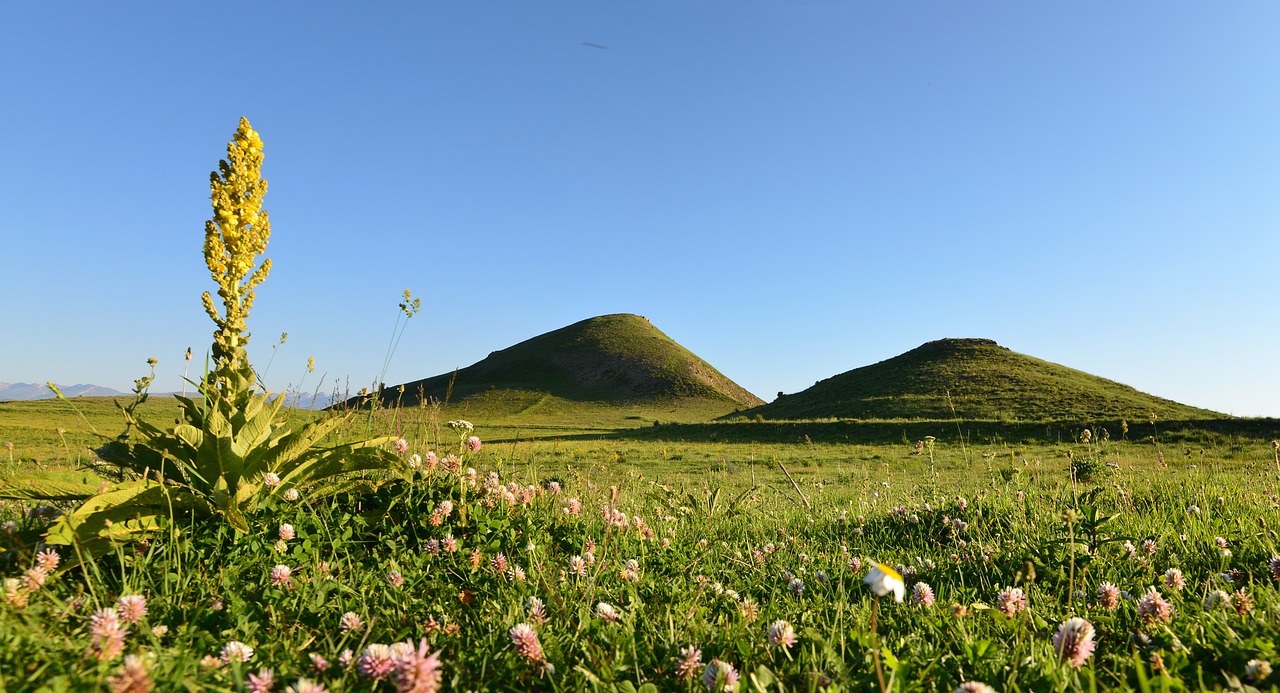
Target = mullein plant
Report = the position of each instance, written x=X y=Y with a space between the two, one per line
x=230 y=449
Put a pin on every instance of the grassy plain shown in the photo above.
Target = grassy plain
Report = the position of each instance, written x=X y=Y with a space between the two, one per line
x=734 y=513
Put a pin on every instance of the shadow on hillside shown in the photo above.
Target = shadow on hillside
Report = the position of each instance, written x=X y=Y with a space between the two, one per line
x=1199 y=432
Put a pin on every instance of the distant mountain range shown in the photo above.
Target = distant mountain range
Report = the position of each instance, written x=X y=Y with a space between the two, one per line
x=16 y=391
x=10 y=392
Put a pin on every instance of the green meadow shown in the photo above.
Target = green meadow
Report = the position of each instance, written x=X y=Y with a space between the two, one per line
x=722 y=518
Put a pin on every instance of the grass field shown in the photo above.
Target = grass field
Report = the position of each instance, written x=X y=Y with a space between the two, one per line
x=721 y=550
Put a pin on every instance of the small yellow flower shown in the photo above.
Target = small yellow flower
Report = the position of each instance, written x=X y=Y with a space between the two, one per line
x=884 y=580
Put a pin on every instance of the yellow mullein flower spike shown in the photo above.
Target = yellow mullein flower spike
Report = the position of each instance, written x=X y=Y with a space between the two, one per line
x=234 y=238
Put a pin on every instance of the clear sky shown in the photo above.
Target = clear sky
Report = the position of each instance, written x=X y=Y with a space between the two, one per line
x=790 y=189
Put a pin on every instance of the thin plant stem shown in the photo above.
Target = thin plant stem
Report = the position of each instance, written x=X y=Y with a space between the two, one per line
x=875 y=644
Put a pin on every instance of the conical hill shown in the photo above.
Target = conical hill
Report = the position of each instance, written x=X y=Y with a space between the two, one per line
x=973 y=379
x=607 y=360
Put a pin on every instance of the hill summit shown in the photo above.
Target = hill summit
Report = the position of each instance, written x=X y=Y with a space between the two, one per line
x=610 y=359
x=972 y=379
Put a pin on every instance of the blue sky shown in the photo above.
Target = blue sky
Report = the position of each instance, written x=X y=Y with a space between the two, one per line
x=789 y=189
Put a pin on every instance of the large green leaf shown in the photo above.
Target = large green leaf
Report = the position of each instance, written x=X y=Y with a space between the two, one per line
x=190 y=435
x=293 y=445
x=339 y=461
x=216 y=458
x=43 y=487
x=256 y=430
x=140 y=501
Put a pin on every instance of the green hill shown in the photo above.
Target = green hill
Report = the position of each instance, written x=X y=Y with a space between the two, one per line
x=983 y=380
x=620 y=363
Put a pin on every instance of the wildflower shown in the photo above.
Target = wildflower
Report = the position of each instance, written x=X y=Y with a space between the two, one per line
x=449 y=544
x=974 y=687
x=1274 y=565
x=537 y=610
x=401 y=446
x=286 y=532
x=261 y=682
x=34 y=578
x=1174 y=580
x=280 y=546
x=211 y=662
x=749 y=610
x=1220 y=542
x=132 y=678
x=160 y=631
x=1149 y=547
x=271 y=480
x=306 y=686
x=350 y=622
x=132 y=607
x=1242 y=602
x=578 y=566
x=605 y=612
x=499 y=563
x=376 y=662
x=461 y=425
x=1257 y=670
x=922 y=594
x=47 y=560
x=961 y=502
x=1074 y=641
x=107 y=634
x=1011 y=602
x=719 y=676
x=236 y=651
x=855 y=564
x=525 y=640
x=280 y=575
x=291 y=495
x=395 y=578
x=796 y=586
x=1108 y=596
x=630 y=572
x=553 y=487
x=1153 y=607
x=473 y=444
x=884 y=580
x=781 y=633
x=415 y=461
x=417 y=671
x=345 y=658
x=318 y=662
x=688 y=663
x=1216 y=599
x=446 y=508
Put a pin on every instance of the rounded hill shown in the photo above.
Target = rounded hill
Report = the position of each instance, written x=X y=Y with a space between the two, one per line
x=611 y=359
x=972 y=379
